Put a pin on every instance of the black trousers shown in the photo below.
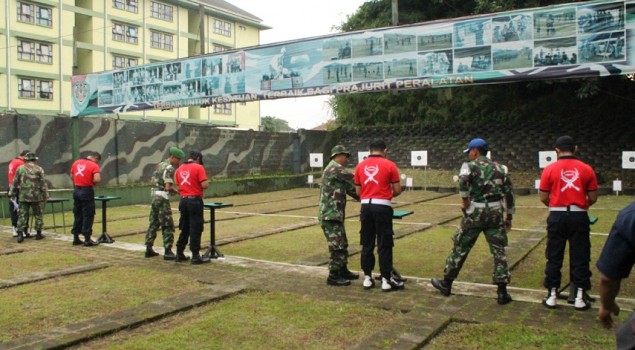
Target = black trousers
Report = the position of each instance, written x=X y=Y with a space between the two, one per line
x=14 y=213
x=83 y=211
x=376 y=227
x=190 y=224
x=572 y=227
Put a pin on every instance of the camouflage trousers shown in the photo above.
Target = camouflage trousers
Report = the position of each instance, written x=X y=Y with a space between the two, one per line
x=23 y=215
x=161 y=218
x=335 y=234
x=490 y=222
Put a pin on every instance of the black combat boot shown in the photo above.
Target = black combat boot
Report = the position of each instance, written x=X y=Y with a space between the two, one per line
x=89 y=242
x=20 y=237
x=180 y=255
x=445 y=286
x=197 y=259
x=503 y=296
x=336 y=278
x=168 y=255
x=347 y=274
x=39 y=236
x=76 y=240
x=149 y=252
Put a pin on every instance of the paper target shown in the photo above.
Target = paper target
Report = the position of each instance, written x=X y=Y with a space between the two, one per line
x=537 y=184
x=309 y=179
x=316 y=160
x=419 y=158
x=361 y=156
x=546 y=157
x=628 y=160
x=617 y=185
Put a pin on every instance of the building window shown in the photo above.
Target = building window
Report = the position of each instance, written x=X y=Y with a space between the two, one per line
x=25 y=12
x=26 y=50
x=30 y=13
x=45 y=16
x=160 y=40
x=220 y=48
x=131 y=33
x=128 y=5
x=26 y=88
x=222 y=27
x=123 y=61
x=161 y=11
x=223 y=108
x=45 y=90
x=44 y=53
x=122 y=32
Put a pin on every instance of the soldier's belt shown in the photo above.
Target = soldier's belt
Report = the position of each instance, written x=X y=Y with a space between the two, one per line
x=493 y=205
x=377 y=201
x=567 y=208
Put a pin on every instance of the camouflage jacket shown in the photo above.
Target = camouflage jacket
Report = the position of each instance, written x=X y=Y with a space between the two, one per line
x=29 y=182
x=483 y=180
x=336 y=183
x=164 y=173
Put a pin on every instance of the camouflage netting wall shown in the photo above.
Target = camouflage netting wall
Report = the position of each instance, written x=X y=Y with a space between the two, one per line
x=516 y=145
x=131 y=149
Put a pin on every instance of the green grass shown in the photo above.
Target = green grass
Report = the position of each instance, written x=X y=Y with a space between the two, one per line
x=31 y=308
x=515 y=336
x=258 y=320
x=30 y=262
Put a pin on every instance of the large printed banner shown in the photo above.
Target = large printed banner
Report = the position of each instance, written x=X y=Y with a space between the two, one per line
x=588 y=39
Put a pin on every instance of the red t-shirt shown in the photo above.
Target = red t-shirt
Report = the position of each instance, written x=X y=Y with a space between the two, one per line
x=82 y=172
x=568 y=180
x=13 y=166
x=189 y=177
x=376 y=175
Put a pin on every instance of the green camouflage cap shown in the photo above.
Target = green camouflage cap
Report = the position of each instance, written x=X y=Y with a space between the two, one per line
x=30 y=156
x=339 y=149
x=177 y=152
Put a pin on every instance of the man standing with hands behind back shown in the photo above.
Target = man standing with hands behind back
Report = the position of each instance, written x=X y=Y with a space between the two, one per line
x=568 y=187
x=86 y=174
x=376 y=183
x=192 y=180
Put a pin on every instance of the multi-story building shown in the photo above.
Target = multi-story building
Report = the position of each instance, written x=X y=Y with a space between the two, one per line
x=45 y=42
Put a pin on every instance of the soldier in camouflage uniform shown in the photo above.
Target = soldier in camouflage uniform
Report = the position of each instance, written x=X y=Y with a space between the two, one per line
x=31 y=188
x=161 y=213
x=336 y=184
x=486 y=193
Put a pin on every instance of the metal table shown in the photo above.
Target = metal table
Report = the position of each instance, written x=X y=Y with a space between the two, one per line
x=213 y=252
x=61 y=201
x=104 y=238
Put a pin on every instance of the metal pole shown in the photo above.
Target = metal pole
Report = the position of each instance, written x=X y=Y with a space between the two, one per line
x=395 y=12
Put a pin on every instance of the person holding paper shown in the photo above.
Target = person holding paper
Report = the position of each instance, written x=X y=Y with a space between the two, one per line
x=161 y=212
x=13 y=204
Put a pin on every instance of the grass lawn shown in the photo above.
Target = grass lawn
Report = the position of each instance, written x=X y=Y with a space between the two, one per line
x=14 y=265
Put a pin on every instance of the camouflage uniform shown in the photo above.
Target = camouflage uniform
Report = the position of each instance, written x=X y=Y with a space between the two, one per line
x=336 y=184
x=30 y=186
x=483 y=181
x=161 y=213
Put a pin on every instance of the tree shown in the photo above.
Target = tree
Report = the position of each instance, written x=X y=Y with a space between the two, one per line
x=274 y=124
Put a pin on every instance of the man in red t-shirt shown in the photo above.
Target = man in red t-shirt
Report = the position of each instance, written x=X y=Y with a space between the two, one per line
x=376 y=183
x=192 y=181
x=86 y=174
x=13 y=166
x=568 y=187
